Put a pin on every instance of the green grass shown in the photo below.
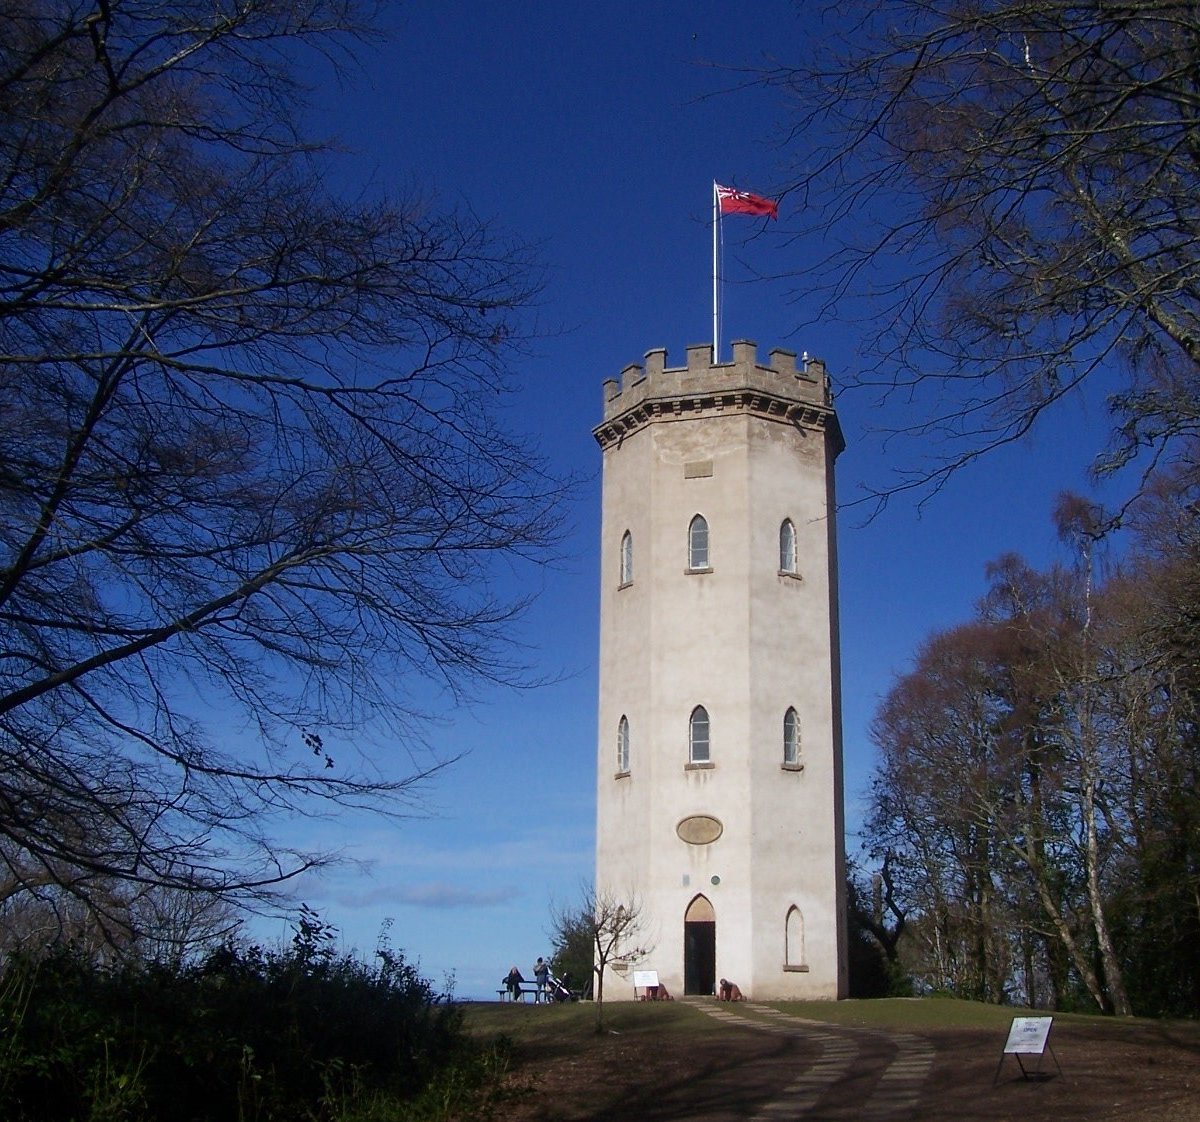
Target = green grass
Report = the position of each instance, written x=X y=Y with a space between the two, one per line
x=907 y=1013
x=576 y=1022
x=917 y=1013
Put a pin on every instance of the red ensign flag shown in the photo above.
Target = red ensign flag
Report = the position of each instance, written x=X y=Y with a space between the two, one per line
x=733 y=201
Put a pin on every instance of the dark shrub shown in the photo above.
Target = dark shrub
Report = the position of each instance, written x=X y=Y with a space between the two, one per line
x=245 y=1033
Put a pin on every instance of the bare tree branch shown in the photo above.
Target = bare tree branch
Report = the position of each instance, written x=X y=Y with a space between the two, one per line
x=250 y=472
x=1009 y=190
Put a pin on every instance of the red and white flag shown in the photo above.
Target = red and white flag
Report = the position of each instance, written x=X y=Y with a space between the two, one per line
x=733 y=201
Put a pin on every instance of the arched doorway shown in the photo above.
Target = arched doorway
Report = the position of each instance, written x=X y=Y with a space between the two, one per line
x=699 y=947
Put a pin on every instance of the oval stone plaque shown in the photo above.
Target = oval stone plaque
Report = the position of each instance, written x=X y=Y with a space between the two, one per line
x=699 y=829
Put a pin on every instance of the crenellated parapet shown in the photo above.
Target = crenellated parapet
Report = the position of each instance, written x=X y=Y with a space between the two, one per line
x=782 y=391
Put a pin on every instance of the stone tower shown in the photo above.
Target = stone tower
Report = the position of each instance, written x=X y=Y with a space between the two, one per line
x=719 y=807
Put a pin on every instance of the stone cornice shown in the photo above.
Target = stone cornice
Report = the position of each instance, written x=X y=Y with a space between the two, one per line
x=686 y=407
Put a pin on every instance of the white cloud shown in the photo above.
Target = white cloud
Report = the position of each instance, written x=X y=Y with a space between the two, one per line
x=439 y=895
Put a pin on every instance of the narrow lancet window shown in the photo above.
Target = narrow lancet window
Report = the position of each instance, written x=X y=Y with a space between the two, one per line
x=787 y=547
x=699 y=747
x=698 y=543
x=623 y=746
x=794 y=938
x=791 y=738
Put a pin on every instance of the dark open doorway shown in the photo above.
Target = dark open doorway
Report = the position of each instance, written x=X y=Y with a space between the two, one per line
x=699 y=948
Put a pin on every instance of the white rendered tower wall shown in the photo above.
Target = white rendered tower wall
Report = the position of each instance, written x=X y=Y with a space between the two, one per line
x=736 y=863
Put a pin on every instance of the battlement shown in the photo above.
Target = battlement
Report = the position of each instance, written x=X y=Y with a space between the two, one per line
x=654 y=391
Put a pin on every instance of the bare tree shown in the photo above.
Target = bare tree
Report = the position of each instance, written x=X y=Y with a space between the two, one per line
x=1052 y=617
x=113 y=919
x=251 y=483
x=1059 y=727
x=1013 y=186
x=940 y=739
x=613 y=925
x=1147 y=709
x=884 y=901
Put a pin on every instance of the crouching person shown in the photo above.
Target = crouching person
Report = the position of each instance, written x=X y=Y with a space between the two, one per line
x=729 y=991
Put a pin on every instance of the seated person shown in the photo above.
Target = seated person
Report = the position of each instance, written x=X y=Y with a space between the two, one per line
x=512 y=981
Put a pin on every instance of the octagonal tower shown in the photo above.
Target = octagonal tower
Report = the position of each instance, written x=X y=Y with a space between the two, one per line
x=719 y=805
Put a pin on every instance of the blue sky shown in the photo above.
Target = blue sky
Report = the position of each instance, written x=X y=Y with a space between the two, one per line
x=595 y=131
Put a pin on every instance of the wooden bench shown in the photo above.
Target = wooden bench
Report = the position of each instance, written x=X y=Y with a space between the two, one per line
x=522 y=990
x=550 y=994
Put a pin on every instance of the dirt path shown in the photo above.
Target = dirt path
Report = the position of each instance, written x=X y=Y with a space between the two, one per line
x=890 y=1068
x=771 y=1067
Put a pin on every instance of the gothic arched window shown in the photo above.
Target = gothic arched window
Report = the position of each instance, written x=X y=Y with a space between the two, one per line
x=623 y=746
x=627 y=558
x=788 y=562
x=791 y=738
x=698 y=543
x=794 y=938
x=699 y=748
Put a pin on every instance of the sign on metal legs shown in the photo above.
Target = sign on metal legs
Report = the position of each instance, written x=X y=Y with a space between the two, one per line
x=1029 y=1036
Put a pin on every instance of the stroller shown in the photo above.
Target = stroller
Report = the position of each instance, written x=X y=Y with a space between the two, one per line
x=557 y=990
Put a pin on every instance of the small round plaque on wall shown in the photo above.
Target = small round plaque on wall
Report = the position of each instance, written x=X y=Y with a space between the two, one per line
x=699 y=829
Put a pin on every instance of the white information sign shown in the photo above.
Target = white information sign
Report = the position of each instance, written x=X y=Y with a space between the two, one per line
x=1028 y=1036
x=645 y=978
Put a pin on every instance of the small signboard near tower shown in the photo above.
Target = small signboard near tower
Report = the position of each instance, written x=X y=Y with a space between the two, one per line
x=719 y=763
x=1028 y=1036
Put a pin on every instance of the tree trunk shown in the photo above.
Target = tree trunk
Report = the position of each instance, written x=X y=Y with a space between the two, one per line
x=1114 y=981
x=600 y=999
x=1032 y=854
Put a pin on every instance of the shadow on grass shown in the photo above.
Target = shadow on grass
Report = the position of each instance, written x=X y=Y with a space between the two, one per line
x=725 y=1084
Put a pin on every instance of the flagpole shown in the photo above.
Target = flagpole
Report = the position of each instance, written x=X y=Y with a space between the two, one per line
x=729 y=200
x=716 y=355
